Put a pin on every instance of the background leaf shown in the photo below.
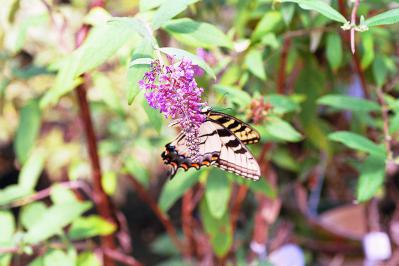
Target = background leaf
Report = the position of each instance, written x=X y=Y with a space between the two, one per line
x=217 y=193
x=168 y=10
x=385 y=18
x=357 y=142
x=344 y=102
x=28 y=130
x=372 y=174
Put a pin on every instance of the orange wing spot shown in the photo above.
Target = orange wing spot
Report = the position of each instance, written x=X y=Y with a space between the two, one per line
x=206 y=163
x=214 y=157
x=184 y=166
x=195 y=165
x=173 y=164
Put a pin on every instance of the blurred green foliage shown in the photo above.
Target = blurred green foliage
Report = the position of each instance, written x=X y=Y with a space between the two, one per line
x=291 y=54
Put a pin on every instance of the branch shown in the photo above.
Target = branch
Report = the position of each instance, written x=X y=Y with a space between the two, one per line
x=100 y=198
x=355 y=58
x=187 y=222
x=170 y=229
x=353 y=22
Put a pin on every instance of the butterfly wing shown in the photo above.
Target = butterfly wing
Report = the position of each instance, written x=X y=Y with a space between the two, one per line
x=236 y=158
x=176 y=152
x=243 y=131
x=218 y=146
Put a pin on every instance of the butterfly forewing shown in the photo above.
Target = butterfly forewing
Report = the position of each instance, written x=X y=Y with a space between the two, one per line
x=243 y=131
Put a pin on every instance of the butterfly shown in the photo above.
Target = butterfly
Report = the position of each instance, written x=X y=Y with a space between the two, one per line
x=223 y=140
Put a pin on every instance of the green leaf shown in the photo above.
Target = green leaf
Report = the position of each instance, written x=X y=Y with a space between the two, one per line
x=146 y=5
x=196 y=60
x=54 y=257
x=334 y=50
x=87 y=259
x=176 y=187
x=197 y=34
x=30 y=172
x=7 y=226
x=262 y=186
x=141 y=61
x=321 y=7
x=102 y=42
x=168 y=10
x=385 y=18
x=281 y=129
x=233 y=94
x=93 y=225
x=357 y=142
x=368 y=49
x=32 y=213
x=65 y=81
x=380 y=71
x=60 y=194
x=255 y=64
x=12 y=193
x=372 y=174
x=268 y=23
x=109 y=180
x=107 y=93
x=28 y=130
x=162 y=245
x=154 y=116
x=54 y=219
x=281 y=104
x=136 y=72
x=219 y=230
x=136 y=169
x=348 y=103
x=217 y=193
x=7 y=229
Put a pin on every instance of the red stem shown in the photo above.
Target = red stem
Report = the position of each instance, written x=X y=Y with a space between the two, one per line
x=355 y=58
x=100 y=198
x=187 y=222
x=170 y=229
x=353 y=22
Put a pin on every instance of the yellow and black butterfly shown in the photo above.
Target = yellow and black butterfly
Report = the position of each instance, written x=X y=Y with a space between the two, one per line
x=223 y=140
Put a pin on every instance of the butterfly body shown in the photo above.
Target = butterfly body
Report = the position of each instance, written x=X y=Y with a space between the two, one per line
x=222 y=140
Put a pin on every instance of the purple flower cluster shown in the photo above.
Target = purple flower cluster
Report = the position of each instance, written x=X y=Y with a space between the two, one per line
x=173 y=91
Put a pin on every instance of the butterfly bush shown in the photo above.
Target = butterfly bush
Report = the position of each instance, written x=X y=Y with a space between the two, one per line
x=173 y=91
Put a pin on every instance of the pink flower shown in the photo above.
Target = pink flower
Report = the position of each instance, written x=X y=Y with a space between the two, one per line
x=173 y=91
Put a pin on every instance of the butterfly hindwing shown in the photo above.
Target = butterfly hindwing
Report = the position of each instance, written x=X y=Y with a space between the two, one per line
x=243 y=131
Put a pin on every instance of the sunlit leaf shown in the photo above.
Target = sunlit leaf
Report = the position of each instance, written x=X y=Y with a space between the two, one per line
x=7 y=228
x=54 y=257
x=32 y=213
x=28 y=130
x=54 y=219
x=32 y=169
x=269 y=22
x=321 y=7
x=136 y=72
x=255 y=64
x=86 y=227
x=60 y=194
x=168 y=10
x=197 y=34
x=233 y=94
x=385 y=18
x=282 y=130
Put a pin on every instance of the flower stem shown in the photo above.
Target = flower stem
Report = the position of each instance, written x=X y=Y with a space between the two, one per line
x=353 y=22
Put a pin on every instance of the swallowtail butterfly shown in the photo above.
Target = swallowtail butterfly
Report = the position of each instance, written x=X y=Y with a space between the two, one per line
x=223 y=140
